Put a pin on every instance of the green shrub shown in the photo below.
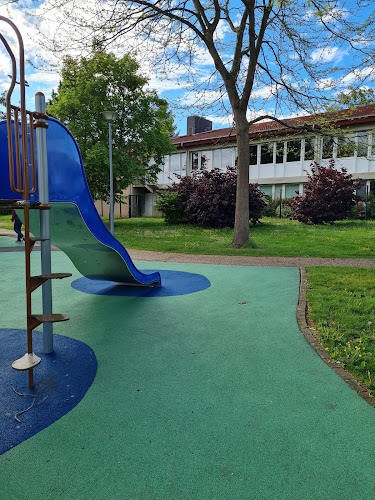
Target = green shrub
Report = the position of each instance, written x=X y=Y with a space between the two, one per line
x=170 y=204
x=286 y=211
x=370 y=206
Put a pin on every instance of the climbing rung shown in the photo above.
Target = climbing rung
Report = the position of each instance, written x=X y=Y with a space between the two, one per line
x=26 y=362
x=38 y=319
x=36 y=281
x=34 y=239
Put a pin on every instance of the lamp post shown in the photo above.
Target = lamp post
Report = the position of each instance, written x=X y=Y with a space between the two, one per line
x=110 y=116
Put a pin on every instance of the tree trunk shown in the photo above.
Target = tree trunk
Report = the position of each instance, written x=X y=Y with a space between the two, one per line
x=241 y=223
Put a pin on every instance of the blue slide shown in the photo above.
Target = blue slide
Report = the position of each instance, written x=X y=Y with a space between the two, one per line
x=76 y=227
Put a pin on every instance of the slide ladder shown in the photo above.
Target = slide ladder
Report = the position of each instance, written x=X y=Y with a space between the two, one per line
x=22 y=181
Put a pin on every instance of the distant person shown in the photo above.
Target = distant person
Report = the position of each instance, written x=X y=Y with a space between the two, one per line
x=17 y=227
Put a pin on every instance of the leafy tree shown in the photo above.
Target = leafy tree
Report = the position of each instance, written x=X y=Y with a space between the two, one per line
x=328 y=196
x=352 y=98
x=282 y=49
x=141 y=133
x=208 y=198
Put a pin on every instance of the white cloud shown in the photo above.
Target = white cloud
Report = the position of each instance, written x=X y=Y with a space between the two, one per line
x=359 y=75
x=335 y=14
x=327 y=54
x=44 y=77
x=325 y=83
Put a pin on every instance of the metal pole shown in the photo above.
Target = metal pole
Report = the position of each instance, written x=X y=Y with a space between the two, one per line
x=111 y=210
x=41 y=141
x=366 y=202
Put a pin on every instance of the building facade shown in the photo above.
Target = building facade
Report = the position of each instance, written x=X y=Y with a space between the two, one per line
x=281 y=154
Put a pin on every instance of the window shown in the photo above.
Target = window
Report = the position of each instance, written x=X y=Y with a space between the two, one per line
x=175 y=163
x=327 y=150
x=226 y=158
x=266 y=153
x=279 y=152
x=216 y=160
x=310 y=148
x=362 y=144
x=290 y=190
x=266 y=189
x=362 y=190
x=206 y=160
x=345 y=147
x=278 y=191
x=253 y=155
x=293 y=152
x=194 y=161
x=166 y=165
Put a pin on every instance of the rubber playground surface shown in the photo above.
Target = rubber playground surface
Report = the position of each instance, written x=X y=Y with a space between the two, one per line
x=209 y=394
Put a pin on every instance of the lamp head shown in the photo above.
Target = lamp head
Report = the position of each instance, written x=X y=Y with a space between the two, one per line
x=110 y=116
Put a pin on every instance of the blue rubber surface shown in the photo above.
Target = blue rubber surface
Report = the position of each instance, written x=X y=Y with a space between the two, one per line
x=61 y=380
x=68 y=185
x=174 y=283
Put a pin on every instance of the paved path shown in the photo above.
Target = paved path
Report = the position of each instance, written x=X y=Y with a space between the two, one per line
x=248 y=261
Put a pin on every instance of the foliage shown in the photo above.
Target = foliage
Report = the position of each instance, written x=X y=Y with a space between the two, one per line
x=209 y=197
x=329 y=195
x=141 y=133
x=370 y=206
x=352 y=97
x=358 y=211
x=269 y=210
x=170 y=204
x=272 y=208
x=286 y=211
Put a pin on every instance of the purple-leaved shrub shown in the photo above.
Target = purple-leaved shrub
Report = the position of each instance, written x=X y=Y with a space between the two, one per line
x=209 y=197
x=328 y=196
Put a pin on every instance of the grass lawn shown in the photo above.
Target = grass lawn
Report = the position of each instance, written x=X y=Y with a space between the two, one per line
x=341 y=309
x=272 y=238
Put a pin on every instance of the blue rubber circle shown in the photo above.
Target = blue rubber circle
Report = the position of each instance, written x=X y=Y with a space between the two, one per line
x=61 y=381
x=173 y=283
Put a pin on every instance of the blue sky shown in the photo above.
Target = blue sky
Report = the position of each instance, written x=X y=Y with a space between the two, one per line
x=172 y=83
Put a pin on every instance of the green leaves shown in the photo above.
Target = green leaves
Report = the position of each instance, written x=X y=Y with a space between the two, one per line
x=91 y=85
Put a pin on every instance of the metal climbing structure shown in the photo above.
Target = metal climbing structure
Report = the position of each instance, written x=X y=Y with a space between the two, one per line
x=21 y=125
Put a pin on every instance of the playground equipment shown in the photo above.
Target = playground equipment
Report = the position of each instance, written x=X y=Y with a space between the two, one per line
x=22 y=181
x=61 y=197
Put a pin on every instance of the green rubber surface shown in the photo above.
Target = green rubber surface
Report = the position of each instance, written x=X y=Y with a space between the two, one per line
x=214 y=395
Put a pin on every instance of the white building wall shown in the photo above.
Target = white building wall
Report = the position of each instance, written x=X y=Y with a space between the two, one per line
x=279 y=173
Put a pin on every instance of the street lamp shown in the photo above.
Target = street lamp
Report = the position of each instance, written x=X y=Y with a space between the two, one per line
x=110 y=116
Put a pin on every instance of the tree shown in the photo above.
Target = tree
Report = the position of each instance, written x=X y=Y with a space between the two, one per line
x=287 y=50
x=141 y=134
x=353 y=97
x=328 y=196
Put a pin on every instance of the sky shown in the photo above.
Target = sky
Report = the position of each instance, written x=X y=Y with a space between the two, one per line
x=173 y=82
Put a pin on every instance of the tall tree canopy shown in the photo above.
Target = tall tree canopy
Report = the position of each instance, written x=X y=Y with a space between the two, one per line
x=141 y=133
x=288 y=51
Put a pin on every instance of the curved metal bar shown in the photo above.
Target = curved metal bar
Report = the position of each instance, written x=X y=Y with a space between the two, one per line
x=9 y=121
x=24 y=140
